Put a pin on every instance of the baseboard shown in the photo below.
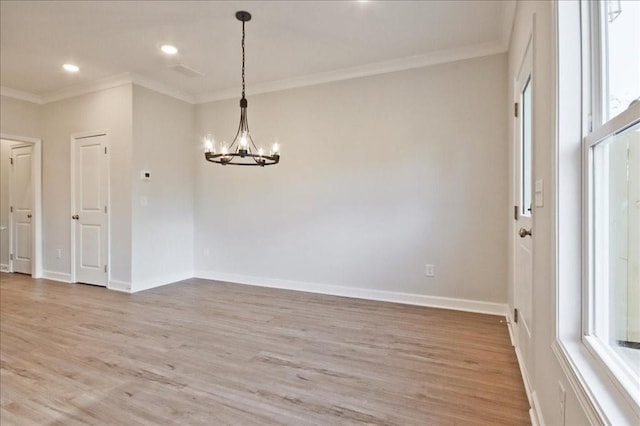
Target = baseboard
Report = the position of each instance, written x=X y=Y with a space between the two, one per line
x=4 y=268
x=361 y=293
x=512 y=335
x=525 y=376
x=56 y=276
x=535 y=415
x=137 y=286
x=122 y=286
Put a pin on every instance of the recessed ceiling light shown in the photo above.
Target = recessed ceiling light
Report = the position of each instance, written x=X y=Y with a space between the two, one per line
x=169 y=49
x=71 y=67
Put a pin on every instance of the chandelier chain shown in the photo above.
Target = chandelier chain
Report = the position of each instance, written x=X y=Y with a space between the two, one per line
x=243 y=59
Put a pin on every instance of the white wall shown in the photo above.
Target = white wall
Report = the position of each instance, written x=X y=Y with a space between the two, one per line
x=163 y=135
x=106 y=110
x=20 y=118
x=379 y=176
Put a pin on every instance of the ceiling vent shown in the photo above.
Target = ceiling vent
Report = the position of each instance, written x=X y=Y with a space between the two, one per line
x=185 y=70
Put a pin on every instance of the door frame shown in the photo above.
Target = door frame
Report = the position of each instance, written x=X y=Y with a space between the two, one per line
x=36 y=176
x=72 y=145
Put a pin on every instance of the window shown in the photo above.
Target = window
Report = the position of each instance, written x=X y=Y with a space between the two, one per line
x=612 y=147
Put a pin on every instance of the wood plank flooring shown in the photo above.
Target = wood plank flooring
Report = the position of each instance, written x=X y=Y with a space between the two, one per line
x=203 y=352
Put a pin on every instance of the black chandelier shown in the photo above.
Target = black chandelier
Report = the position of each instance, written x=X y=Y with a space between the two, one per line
x=242 y=151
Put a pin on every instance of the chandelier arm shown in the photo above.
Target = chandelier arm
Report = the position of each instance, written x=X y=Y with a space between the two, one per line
x=235 y=139
x=252 y=143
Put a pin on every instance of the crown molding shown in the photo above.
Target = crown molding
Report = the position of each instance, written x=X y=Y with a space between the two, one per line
x=82 y=89
x=401 y=64
x=97 y=85
x=162 y=88
x=21 y=95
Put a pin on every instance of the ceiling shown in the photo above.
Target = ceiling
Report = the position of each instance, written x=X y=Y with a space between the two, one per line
x=288 y=43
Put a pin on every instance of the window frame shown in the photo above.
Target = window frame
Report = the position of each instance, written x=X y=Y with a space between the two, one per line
x=597 y=130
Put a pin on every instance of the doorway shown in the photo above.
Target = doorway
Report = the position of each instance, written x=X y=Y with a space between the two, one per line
x=21 y=205
x=89 y=209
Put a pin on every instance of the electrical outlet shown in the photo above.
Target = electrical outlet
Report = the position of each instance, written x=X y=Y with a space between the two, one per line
x=59 y=253
x=430 y=270
x=562 y=395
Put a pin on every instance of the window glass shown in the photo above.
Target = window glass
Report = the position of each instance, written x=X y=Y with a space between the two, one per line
x=526 y=149
x=621 y=55
x=616 y=245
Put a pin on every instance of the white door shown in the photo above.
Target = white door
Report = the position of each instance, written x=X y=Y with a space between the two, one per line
x=523 y=213
x=21 y=200
x=89 y=216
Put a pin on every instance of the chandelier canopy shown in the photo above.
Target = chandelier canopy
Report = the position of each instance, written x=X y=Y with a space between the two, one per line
x=242 y=151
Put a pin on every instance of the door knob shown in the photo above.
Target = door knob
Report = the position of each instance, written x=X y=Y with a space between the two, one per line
x=29 y=216
x=75 y=217
x=524 y=232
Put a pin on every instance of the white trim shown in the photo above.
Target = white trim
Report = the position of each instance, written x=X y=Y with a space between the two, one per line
x=36 y=244
x=620 y=122
x=601 y=400
x=122 y=286
x=361 y=293
x=82 y=89
x=510 y=327
x=535 y=413
x=619 y=373
x=400 y=64
x=163 y=88
x=24 y=139
x=95 y=86
x=20 y=95
x=4 y=268
x=588 y=404
x=524 y=374
x=56 y=276
x=160 y=281
x=525 y=377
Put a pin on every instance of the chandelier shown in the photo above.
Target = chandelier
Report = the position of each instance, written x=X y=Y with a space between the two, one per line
x=242 y=151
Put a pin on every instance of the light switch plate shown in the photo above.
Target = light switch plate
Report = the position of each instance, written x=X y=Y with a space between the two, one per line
x=539 y=193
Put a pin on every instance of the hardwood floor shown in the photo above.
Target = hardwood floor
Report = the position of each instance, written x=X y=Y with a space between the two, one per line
x=203 y=352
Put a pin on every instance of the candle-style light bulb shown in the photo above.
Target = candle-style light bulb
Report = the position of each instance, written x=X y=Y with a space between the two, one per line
x=276 y=148
x=208 y=143
x=243 y=140
x=225 y=149
x=261 y=152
